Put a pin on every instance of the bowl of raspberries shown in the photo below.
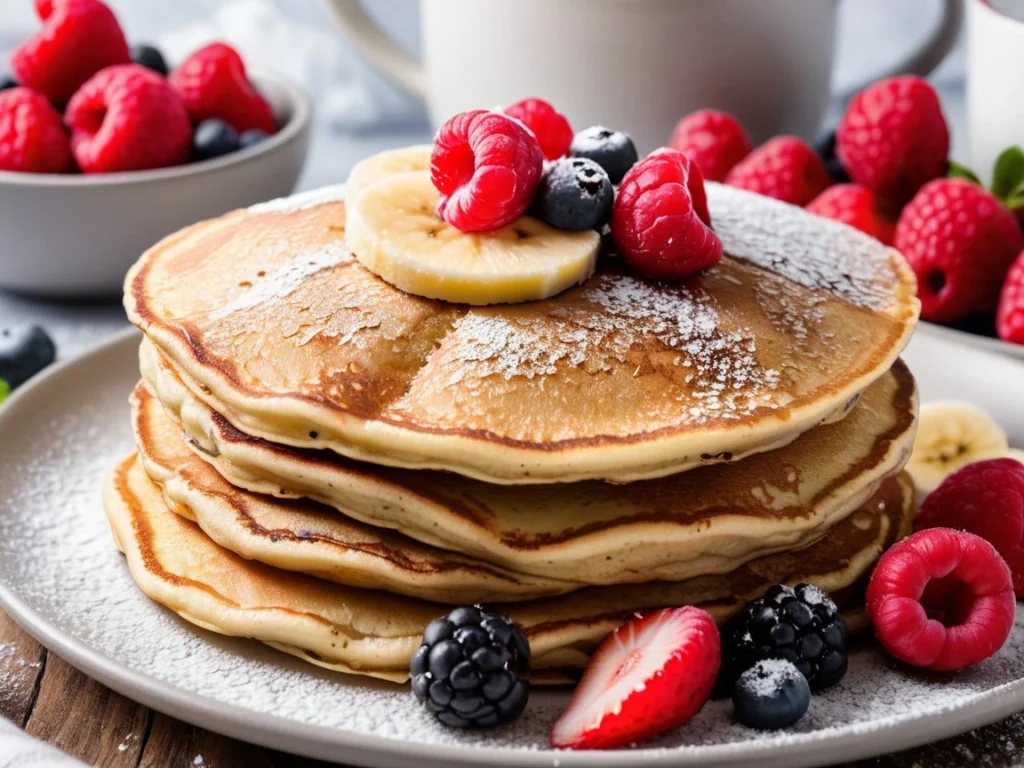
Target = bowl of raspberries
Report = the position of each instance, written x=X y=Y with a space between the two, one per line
x=106 y=147
x=886 y=171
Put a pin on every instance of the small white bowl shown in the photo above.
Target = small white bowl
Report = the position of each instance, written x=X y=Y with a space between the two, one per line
x=76 y=236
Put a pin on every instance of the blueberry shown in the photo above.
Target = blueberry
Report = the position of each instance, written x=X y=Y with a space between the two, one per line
x=575 y=193
x=251 y=138
x=213 y=138
x=150 y=57
x=612 y=150
x=24 y=352
x=771 y=694
x=826 y=148
x=7 y=82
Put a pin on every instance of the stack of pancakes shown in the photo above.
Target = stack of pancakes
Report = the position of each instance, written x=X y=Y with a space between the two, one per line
x=326 y=463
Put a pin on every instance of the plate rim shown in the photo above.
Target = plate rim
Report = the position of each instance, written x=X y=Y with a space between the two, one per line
x=987 y=344
x=325 y=742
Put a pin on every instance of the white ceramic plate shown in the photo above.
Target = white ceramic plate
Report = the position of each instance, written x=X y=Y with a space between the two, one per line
x=973 y=339
x=62 y=579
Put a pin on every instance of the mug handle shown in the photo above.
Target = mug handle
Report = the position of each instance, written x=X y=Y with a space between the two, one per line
x=931 y=52
x=384 y=53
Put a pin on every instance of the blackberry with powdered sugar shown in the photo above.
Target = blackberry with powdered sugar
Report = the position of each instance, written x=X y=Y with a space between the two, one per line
x=799 y=624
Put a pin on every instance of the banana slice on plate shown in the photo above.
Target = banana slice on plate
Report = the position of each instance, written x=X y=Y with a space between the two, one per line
x=384 y=164
x=394 y=231
x=951 y=435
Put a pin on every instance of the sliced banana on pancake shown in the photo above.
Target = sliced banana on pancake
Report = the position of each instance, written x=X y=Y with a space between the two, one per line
x=394 y=232
x=384 y=164
x=950 y=435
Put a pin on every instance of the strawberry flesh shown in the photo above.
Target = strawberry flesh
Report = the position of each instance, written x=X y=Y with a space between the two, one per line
x=647 y=677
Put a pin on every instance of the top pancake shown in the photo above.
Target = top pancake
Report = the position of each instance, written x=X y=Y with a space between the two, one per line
x=618 y=379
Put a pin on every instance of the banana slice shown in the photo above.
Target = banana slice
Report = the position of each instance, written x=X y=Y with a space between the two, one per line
x=393 y=230
x=384 y=164
x=951 y=435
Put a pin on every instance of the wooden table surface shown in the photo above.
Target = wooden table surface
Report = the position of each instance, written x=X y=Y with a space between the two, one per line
x=58 y=704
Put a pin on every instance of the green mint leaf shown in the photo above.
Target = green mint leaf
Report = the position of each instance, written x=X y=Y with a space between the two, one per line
x=1008 y=172
x=5 y=390
x=957 y=171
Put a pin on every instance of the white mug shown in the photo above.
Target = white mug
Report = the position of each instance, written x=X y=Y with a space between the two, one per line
x=995 y=80
x=634 y=65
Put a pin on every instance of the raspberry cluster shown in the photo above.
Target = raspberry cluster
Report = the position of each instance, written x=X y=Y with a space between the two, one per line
x=79 y=99
x=885 y=170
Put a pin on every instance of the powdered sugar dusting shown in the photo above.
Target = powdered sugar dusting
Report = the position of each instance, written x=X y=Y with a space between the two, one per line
x=57 y=557
x=286 y=279
x=814 y=596
x=807 y=249
x=619 y=312
x=302 y=201
x=765 y=679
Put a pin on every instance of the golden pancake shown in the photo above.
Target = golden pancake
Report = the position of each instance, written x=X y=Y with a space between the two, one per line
x=305 y=536
x=709 y=520
x=274 y=323
x=375 y=633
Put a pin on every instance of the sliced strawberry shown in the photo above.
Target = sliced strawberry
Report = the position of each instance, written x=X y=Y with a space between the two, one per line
x=647 y=677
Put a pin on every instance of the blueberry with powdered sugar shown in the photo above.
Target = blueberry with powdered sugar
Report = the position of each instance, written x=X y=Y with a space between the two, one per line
x=771 y=694
x=575 y=193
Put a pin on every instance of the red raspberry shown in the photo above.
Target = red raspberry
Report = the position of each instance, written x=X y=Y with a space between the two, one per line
x=551 y=128
x=986 y=499
x=486 y=167
x=784 y=168
x=1010 y=318
x=213 y=83
x=941 y=599
x=78 y=39
x=127 y=118
x=893 y=138
x=714 y=140
x=960 y=241
x=660 y=221
x=857 y=206
x=32 y=136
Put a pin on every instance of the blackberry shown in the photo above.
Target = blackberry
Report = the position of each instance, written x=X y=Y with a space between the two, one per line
x=801 y=625
x=472 y=669
x=612 y=150
x=575 y=193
